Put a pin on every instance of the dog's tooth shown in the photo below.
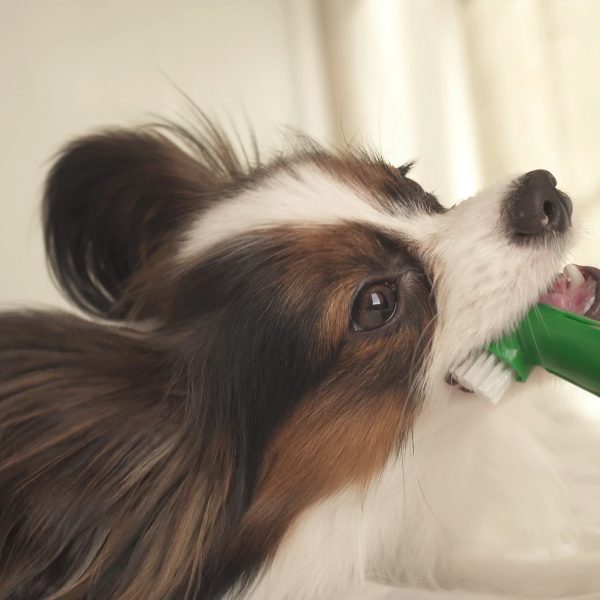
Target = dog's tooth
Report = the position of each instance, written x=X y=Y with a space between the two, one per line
x=575 y=275
x=589 y=303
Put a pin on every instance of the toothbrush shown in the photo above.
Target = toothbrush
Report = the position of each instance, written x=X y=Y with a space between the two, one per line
x=564 y=343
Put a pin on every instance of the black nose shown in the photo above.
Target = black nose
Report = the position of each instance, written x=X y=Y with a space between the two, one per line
x=537 y=207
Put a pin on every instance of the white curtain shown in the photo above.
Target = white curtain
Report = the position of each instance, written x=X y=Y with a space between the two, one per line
x=474 y=89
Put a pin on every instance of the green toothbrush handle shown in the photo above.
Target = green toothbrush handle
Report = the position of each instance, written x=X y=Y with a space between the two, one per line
x=561 y=342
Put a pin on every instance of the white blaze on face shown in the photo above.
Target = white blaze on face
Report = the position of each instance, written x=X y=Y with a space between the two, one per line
x=307 y=196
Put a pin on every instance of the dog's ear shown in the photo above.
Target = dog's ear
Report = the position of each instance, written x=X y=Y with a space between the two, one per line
x=116 y=201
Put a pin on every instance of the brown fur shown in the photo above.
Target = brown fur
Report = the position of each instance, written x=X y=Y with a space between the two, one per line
x=98 y=465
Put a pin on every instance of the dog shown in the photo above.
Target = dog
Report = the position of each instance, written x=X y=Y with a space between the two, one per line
x=256 y=402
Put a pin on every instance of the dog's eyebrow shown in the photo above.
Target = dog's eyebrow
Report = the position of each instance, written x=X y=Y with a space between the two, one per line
x=303 y=197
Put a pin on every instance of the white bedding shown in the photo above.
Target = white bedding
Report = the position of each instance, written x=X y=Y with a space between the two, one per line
x=380 y=592
x=374 y=591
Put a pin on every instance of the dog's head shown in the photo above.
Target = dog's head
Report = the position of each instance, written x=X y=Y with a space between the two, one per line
x=328 y=267
x=316 y=301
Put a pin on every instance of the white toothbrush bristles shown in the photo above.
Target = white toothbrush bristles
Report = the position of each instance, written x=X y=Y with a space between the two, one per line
x=486 y=375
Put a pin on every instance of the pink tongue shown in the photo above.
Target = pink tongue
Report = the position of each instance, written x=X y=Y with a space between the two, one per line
x=571 y=292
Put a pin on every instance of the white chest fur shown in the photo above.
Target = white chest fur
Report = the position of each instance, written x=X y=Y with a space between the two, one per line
x=501 y=499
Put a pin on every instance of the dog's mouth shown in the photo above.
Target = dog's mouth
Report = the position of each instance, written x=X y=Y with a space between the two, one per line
x=576 y=290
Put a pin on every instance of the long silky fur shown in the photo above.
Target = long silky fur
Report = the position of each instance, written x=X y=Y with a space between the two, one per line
x=107 y=428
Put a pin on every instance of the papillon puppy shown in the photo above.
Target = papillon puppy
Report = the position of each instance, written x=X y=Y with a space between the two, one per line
x=260 y=405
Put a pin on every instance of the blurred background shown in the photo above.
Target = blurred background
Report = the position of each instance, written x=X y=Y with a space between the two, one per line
x=472 y=89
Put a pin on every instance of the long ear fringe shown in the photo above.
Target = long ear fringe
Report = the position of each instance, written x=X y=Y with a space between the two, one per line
x=110 y=202
x=114 y=203
x=105 y=490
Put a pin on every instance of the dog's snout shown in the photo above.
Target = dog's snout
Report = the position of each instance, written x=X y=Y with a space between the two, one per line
x=537 y=206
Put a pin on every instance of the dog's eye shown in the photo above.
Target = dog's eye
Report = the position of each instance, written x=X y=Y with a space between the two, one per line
x=374 y=306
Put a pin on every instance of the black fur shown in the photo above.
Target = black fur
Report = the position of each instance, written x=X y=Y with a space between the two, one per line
x=114 y=200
